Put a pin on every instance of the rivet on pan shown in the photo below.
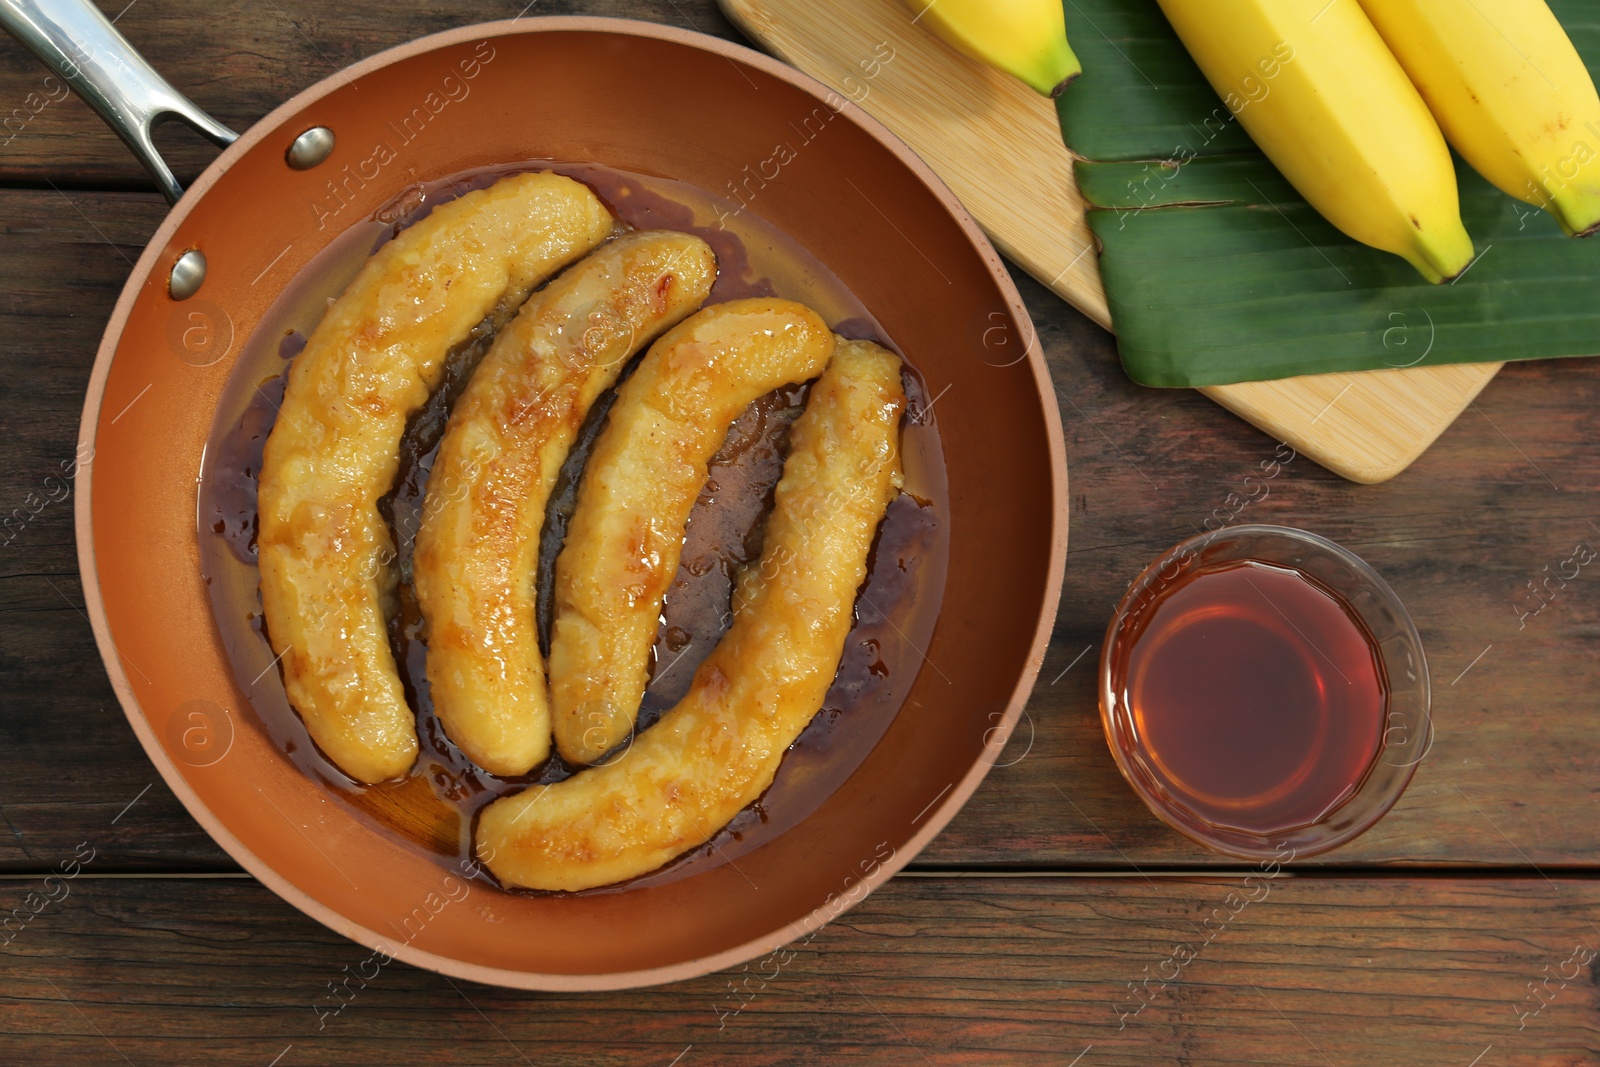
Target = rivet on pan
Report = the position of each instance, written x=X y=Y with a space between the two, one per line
x=188 y=275
x=310 y=148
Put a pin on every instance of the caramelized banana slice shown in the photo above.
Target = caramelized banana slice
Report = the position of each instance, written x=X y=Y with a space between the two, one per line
x=642 y=479
x=478 y=549
x=325 y=551
x=717 y=749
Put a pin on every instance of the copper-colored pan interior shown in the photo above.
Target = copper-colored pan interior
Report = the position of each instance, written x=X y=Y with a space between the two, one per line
x=648 y=100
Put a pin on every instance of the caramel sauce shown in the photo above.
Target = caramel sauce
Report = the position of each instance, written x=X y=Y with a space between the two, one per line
x=435 y=804
x=1257 y=698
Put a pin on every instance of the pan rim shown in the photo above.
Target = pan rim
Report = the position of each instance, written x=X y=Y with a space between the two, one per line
x=944 y=808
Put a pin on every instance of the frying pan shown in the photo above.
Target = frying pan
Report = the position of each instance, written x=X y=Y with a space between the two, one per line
x=635 y=97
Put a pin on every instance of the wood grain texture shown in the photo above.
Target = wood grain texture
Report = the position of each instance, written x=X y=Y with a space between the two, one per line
x=1338 y=967
x=1513 y=778
x=70 y=762
x=240 y=60
x=928 y=971
x=997 y=144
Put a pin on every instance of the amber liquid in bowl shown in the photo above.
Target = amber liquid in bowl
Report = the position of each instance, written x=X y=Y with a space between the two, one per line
x=1252 y=697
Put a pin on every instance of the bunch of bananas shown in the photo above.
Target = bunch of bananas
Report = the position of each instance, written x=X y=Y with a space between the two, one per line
x=1348 y=99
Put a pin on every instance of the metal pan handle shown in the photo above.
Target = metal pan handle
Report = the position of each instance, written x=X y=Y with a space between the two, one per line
x=81 y=47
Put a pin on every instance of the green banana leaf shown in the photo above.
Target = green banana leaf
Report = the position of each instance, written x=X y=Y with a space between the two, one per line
x=1217 y=271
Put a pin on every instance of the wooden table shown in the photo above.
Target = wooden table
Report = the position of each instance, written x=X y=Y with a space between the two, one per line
x=1054 y=922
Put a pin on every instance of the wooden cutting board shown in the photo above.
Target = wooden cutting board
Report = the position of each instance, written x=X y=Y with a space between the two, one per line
x=998 y=145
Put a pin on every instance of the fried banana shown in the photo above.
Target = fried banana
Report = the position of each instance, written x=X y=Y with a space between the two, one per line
x=641 y=481
x=717 y=750
x=325 y=551
x=508 y=435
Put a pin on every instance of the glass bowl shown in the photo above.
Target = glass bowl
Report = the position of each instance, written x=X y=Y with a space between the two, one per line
x=1405 y=728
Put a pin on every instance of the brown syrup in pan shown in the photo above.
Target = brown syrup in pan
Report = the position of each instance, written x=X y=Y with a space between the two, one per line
x=434 y=806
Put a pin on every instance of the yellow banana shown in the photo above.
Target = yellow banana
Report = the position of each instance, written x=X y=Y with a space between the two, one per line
x=1027 y=38
x=1511 y=94
x=1314 y=85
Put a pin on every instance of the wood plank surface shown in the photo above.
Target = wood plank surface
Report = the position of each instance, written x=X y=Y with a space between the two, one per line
x=1513 y=778
x=997 y=144
x=155 y=952
x=238 y=61
x=928 y=971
